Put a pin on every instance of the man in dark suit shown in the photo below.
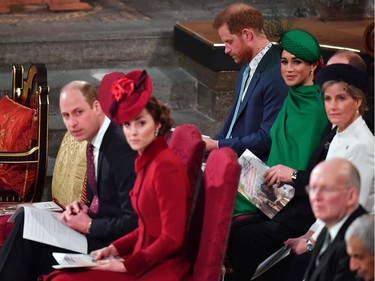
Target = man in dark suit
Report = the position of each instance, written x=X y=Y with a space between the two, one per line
x=108 y=213
x=259 y=91
x=333 y=193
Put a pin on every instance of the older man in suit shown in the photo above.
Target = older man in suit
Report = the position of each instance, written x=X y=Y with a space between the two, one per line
x=108 y=213
x=360 y=247
x=333 y=192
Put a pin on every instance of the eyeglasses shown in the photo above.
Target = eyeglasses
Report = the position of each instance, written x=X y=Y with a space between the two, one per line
x=323 y=190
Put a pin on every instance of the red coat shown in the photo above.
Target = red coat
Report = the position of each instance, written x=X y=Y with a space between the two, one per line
x=154 y=251
x=159 y=198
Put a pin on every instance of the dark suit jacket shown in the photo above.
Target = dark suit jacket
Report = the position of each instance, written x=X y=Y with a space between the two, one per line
x=334 y=264
x=319 y=154
x=116 y=177
x=258 y=111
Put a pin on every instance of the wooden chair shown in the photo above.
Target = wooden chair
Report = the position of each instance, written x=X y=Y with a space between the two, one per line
x=213 y=214
x=68 y=178
x=30 y=93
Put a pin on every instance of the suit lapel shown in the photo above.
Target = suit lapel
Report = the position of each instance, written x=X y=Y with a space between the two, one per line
x=357 y=212
x=102 y=149
x=324 y=260
x=267 y=59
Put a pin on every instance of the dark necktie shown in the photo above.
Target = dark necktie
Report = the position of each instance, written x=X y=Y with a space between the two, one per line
x=323 y=250
x=91 y=180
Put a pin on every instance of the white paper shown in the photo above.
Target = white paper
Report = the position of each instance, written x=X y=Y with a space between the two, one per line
x=48 y=205
x=12 y=209
x=47 y=227
x=66 y=260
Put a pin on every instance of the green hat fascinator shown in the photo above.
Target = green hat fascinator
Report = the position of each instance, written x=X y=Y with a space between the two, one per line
x=301 y=44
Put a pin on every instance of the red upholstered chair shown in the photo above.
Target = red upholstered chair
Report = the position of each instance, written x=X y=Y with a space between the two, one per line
x=68 y=177
x=24 y=136
x=23 y=140
x=214 y=210
x=186 y=142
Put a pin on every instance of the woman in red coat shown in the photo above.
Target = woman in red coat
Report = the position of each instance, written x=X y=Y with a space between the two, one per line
x=155 y=250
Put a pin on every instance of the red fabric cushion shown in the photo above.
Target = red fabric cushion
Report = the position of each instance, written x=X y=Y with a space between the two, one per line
x=220 y=181
x=5 y=228
x=16 y=132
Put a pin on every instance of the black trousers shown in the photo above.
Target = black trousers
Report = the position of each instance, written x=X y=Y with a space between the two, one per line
x=252 y=240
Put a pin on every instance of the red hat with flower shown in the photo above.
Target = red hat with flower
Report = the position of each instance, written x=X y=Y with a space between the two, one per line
x=129 y=95
x=104 y=92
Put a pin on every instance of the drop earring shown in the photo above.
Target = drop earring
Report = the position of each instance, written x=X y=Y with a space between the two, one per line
x=156 y=133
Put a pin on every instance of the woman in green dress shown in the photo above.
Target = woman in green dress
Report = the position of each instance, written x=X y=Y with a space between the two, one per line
x=294 y=135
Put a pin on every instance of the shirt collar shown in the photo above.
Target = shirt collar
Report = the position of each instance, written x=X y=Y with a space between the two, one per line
x=334 y=230
x=97 y=140
x=256 y=60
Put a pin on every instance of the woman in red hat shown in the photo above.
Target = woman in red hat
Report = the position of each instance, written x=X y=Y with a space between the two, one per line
x=155 y=250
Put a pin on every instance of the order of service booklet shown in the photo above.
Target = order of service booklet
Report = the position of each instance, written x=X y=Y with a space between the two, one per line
x=47 y=227
x=68 y=260
x=271 y=261
x=270 y=200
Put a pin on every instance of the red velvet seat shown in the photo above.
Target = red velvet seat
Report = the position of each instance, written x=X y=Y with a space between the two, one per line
x=213 y=214
x=186 y=142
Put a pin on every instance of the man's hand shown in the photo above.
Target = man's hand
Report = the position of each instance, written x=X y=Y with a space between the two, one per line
x=79 y=222
x=75 y=208
x=298 y=245
x=210 y=144
x=76 y=217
